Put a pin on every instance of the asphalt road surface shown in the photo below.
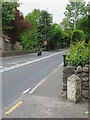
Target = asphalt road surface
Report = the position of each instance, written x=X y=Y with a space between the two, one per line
x=17 y=80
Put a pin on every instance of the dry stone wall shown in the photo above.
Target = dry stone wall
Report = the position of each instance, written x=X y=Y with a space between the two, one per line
x=82 y=73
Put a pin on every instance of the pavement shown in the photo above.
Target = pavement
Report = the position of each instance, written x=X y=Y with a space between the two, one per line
x=45 y=101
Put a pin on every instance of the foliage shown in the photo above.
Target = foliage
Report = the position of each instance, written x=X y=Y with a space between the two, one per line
x=68 y=22
x=78 y=54
x=43 y=29
x=81 y=10
x=82 y=24
x=44 y=25
x=67 y=26
x=33 y=17
x=29 y=38
x=19 y=25
x=77 y=35
x=57 y=37
x=8 y=14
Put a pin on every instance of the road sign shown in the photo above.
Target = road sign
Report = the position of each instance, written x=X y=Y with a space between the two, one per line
x=45 y=42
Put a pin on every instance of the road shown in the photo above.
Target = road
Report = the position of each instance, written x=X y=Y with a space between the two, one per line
x=15 y=81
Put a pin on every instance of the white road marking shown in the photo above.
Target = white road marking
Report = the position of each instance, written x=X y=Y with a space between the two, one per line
x=26 y=90
x=12 y=63
x=33 y=90
x=29 y=62
x=37 y=86
x=2 y=67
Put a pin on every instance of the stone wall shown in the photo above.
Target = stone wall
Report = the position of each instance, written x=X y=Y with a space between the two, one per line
x=0 y=43
x=82 y=73
x=6 y=45
x=18 y=46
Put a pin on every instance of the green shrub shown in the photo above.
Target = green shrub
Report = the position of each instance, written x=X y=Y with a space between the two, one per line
x=78 y=54
x=77 y=35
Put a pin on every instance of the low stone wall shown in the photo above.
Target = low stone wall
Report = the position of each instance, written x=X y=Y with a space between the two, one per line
x=82 y=73
x=6 y=45
x=15 y=53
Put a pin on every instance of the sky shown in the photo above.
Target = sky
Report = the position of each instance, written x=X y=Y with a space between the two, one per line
x=54 y=7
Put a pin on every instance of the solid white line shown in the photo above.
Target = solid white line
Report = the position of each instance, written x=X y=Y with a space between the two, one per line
x=44 y=79
x=2 y=67
x=26 y=90
x=37 y=86
x=29 y=62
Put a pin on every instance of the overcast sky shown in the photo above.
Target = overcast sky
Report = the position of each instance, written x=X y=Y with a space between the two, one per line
x=55 y=7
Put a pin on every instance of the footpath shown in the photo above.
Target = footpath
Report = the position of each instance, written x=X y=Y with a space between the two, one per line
x=46 y=101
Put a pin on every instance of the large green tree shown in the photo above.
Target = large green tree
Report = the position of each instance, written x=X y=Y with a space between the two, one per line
x=19 y=25
x=8 y=14
x=29 y=38
x=57 y=38
x=81 y=12
x=33 y=17
x=82 y=24
x=44 y=26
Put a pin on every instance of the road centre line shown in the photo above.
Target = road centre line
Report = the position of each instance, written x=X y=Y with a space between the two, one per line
x=13 y=108
x=2 y=67
x=42 y=81
x=37 y=86
x=26 y=90
x=29 y=62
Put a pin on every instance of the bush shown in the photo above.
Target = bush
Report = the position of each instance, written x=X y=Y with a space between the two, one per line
x=78 y=54
x=77 y=35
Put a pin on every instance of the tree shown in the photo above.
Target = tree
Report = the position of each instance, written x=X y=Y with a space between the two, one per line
x=8 y=14
x=43 y=26
x=81 y=10
x=82 y=24
x=57 y=37
x=67 y=26
x=33 y=17
x=19 y=25
x=29 y=38
x=68 y=22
